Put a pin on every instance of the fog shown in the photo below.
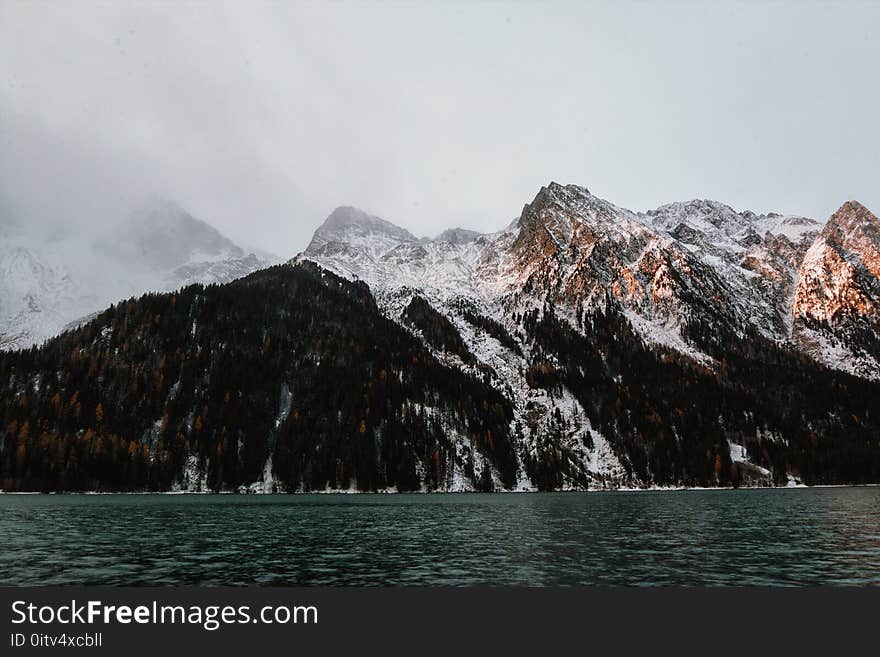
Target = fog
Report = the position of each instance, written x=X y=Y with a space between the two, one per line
x=261 y=118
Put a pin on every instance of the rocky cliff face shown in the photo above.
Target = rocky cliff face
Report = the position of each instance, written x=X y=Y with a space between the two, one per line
x=578 y=251
x=836 y=306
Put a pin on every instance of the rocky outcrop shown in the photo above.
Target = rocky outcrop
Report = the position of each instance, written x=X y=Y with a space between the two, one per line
x=837 y=302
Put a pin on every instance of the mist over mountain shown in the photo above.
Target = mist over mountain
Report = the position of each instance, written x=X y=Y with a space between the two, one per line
x=47 y=282
x=161 y=235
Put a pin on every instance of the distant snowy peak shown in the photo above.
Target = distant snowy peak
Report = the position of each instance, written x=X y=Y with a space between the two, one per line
x=355 y=229
x=34 y=296
x=458 y=236
x=700 y=213
x=717 y=221
x=346 y=217
x=164 y=238
x=358 y=245
x=161 y=235
x=44 y=287
x=178 y=249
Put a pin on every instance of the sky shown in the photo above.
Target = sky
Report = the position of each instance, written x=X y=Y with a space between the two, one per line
x=261 y=118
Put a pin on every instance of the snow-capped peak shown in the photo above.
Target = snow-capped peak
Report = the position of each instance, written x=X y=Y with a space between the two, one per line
x=853 y=221
x=160 y=235
x=701 y=214
x=355 y=228
x=358 y=245
x=836 y=306
x=721 y=223
x=575 y=199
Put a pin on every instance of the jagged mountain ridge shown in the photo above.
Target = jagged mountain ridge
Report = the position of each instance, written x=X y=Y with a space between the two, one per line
x=47 y=287
x=693 y=261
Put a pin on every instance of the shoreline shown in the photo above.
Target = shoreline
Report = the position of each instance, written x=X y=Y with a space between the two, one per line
x=658 y=489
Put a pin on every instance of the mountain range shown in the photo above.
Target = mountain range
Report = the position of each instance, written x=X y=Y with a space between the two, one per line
x=807 y=285
x=583 y=346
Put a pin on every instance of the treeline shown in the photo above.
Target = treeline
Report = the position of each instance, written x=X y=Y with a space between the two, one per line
x=436 y=328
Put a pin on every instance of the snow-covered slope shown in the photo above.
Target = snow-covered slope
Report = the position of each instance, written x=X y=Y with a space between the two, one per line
x=756 y=255
x=34 y=295
x=47 y=286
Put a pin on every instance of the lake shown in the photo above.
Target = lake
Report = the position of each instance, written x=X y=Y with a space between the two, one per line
x=777 y=537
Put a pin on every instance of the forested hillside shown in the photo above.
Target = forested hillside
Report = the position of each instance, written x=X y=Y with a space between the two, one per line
x=290 y=376
x=673 y=420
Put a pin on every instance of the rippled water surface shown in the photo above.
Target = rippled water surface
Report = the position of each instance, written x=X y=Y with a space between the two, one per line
x=740 y=537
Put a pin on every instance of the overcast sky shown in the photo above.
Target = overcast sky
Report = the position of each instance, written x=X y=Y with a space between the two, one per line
x=261 y=118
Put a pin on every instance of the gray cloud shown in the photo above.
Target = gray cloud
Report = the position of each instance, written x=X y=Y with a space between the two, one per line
x=261 y=118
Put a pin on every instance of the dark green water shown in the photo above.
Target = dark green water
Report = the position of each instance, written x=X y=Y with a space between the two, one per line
x=732 y=537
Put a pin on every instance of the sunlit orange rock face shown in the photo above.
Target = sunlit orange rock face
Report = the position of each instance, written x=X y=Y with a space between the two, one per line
x=574 y=248
x=837 y=301
x=786 y=277
x=839 y=278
